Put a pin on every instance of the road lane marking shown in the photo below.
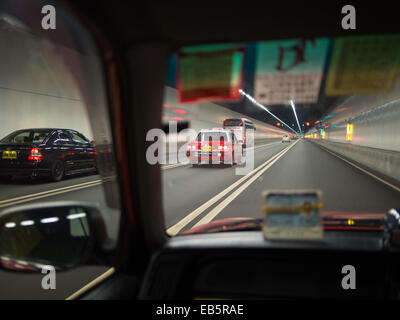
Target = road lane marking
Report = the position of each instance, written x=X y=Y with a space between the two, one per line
x=91 y=284
x=176 y=165
x=194 y=214
x=365 y=171
x=213 y=213
x=267 y=144
x=48 y=193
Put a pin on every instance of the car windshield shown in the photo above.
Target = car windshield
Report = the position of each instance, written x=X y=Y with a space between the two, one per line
x=233 y=123
x=326 y=112
x=26 y=136
x=212 y=136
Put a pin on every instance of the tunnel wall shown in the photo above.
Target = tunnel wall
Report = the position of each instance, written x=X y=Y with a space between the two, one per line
x=376 y=128
x=40 y=85
x=375 y=138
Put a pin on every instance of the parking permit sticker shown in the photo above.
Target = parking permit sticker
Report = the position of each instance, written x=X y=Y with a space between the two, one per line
x=293 y=215
x=210 y=75
x=363 y=64
x=290 y=70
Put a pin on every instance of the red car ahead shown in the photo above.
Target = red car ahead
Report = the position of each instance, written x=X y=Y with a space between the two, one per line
x=216 y=146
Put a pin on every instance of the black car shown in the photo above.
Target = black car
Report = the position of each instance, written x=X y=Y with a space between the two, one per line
x=51 y=153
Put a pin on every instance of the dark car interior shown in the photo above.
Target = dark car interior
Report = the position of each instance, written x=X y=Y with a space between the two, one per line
x=135 y=40
x=150 y=265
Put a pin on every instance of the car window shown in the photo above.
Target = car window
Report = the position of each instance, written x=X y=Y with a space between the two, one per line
x=213 y=136
x=233 y=122
x=30 y=136
x=63 y=138
x=78 y=139
x=53 y=79
x=324 y=91
x=18 y=138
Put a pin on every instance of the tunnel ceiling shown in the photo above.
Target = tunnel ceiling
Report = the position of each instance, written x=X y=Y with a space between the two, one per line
x=305 y=112
x=188 y=23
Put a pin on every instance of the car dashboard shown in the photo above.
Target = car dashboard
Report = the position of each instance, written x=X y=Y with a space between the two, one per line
x=242 y=265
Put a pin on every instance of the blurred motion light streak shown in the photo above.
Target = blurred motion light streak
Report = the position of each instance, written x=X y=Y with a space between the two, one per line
x=262 y=107
x=295 y=114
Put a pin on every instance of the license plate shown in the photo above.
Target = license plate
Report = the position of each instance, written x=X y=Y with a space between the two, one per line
x=206 y=148
x=9 y=155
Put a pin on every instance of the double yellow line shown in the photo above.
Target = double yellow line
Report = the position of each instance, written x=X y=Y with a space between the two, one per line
x=91 y=284
x=252 y=176
x=49 y=193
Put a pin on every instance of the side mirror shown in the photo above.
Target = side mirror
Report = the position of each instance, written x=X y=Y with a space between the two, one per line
x=61 y=234
x=391 y=228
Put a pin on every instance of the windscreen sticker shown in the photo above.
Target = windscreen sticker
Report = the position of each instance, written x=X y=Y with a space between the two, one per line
x=363 y=64
x=290 y=70
x=210 y=75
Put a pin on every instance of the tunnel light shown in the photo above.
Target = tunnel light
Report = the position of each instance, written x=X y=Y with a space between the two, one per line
x=76 y=216
x=10 y=225
x=26 y=223
x=180 y=111
x=49 y=220
x=349 y=131
x=295 y=114
x=249 y=97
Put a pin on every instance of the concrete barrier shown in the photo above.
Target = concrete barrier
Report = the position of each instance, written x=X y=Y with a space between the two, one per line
x=382 y=162
x=364 y=129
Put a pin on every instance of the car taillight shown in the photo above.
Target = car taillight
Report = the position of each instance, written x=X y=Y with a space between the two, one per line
x=35 y=154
